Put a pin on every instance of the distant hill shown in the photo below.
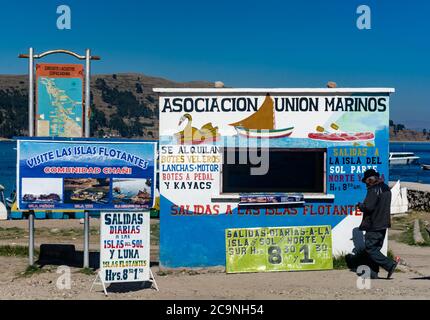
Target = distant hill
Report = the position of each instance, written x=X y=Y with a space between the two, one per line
x=408 y=135
x=398 y=132
x=123 y=105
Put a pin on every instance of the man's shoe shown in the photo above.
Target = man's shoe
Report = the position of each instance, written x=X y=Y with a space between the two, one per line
x=391 y=271
x=373 y=274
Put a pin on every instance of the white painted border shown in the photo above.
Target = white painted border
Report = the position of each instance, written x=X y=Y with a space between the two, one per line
x=145 y=236
x=277 y=90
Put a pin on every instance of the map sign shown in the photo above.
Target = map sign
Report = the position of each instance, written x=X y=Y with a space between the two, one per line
x=85 y=174
x=278 y=249
x=59 y=102
x=124 y=246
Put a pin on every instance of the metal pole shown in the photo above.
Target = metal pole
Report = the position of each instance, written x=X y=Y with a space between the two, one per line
x=31 y=134
x=31 y=130
x=87 y=135
x=31 y=238
x=86 y=240
x=87 y=92
x=31 y=92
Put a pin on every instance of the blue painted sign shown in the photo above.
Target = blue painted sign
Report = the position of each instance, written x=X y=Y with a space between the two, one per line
x=85 y=174
x=320 y=144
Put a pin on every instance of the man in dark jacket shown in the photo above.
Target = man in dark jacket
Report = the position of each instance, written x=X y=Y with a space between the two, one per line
x=376 y=221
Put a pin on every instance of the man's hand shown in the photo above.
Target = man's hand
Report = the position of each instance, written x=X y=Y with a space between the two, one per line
x=357 y=208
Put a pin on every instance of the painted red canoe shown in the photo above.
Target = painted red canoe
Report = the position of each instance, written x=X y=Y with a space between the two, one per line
x=342 y=137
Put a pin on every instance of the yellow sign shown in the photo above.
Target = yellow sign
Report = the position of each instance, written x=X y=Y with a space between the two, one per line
x=278 y=249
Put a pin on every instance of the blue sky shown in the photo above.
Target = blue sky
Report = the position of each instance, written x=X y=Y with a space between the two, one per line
x=243 y=43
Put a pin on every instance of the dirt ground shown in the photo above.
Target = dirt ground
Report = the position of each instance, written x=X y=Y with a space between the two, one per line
x=412 y=282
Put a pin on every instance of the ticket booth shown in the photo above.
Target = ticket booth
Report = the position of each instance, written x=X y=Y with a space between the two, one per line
x=218 y=146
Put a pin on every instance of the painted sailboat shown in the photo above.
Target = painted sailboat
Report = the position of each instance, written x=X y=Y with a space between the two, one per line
x=261 y=124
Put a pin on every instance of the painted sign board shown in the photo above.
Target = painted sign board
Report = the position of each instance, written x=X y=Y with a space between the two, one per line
x=59 y=100
x=278 y=249
x=124 y=246
x=85 y=174
x=327 y=137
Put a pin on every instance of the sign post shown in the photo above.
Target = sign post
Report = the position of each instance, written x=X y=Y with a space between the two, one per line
x=278 y=249
x=31 y=134
x=84 y=174
x=31 y=238
x=87 y=92
x=86 y=239
x=31 y=92
x=59 y=100
x=125 y=248
x=87 y=135
x=31 y=57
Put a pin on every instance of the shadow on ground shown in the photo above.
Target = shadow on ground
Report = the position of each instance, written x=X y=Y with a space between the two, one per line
x=128 y=287
x=421 y=278
x=65 y=254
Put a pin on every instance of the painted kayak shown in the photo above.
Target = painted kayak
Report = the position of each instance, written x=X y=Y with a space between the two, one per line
x=264 y=134
x=342 y=137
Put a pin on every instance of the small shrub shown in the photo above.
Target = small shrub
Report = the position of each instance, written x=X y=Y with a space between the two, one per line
x=339 y=263
x=31 y=270
x=87 y=271
x=15 y=251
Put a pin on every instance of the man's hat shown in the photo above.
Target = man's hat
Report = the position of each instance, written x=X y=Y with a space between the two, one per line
x=369 y=173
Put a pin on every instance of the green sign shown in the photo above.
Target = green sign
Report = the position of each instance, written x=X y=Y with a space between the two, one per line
x=278 y=249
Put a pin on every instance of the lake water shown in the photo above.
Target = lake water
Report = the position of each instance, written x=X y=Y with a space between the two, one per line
x=8 y=166
x=411 y=173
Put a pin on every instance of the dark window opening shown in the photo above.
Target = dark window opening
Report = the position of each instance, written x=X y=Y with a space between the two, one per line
x=290 y=170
